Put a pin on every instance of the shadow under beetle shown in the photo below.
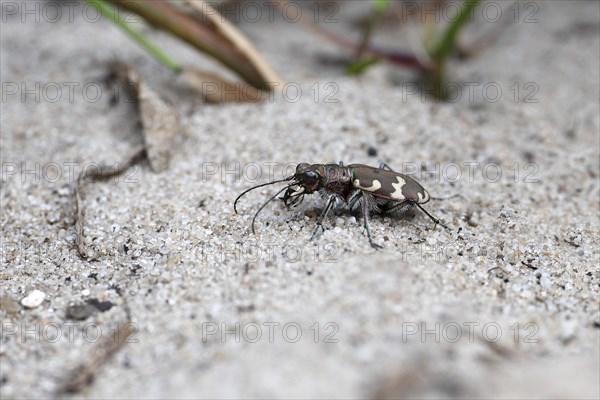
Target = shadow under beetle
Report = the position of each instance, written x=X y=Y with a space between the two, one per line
x=371 y=189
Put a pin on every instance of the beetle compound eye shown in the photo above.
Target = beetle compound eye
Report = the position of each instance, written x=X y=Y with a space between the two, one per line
x=310 y=178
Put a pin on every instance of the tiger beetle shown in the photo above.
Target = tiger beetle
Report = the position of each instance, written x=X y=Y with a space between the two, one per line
x=356 y=185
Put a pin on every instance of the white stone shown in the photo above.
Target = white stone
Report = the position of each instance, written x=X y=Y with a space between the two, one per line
x=34 y=299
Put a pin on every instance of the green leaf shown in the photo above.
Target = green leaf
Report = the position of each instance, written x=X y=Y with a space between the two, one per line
x=360 y=66
x=446 y=43
x=381 y=5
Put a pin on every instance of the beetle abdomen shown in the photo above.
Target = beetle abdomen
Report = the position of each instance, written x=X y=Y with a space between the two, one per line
x=388 y=184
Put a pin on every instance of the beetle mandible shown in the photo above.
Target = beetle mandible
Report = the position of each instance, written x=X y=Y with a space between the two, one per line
x=374 y=189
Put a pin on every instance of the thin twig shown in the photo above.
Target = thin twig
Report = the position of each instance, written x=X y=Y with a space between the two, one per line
x=99 y=174
x=84 y=373
x=80 y=377
x=404 y=59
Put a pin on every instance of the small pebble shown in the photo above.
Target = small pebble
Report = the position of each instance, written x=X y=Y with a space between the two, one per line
x=85 y=292
x=79 y=312
x=100 y=305
x=34 y=299
x=82 y=311
x=310 y=214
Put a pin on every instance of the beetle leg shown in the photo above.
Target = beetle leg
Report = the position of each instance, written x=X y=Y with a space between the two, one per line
x=365 y=211
x=355 y=197
x=434 y=219
x=322 y=217
x=404 y=204
x=398 y=206
x=383 y=165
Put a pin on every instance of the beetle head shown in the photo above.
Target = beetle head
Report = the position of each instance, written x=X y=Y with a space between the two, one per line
x=306 y=180
x=310 y=177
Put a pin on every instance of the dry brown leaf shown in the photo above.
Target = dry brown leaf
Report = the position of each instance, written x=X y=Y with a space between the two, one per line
x=159 y=126
x=159 y=122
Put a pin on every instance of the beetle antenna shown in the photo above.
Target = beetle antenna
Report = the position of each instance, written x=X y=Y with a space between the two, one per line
x=256 y=187
x=434 y=219
x=265 y=204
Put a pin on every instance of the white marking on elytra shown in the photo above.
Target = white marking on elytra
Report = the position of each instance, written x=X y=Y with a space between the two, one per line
x=397 y=193
x=423 y=198
x=376 y=185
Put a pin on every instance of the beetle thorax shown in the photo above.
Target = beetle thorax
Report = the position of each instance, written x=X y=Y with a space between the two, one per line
x=337 y=179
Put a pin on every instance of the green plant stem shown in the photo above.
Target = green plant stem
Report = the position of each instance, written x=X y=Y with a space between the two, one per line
x=440 y=52
x=378 y=9
x=446 y=44
x=108 y=13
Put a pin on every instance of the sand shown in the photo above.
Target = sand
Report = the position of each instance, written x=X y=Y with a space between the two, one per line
x=504 y=305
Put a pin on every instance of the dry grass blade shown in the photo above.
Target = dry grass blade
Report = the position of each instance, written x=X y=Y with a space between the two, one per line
x=215 y=89
x=239 y=41
x=202 y=35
